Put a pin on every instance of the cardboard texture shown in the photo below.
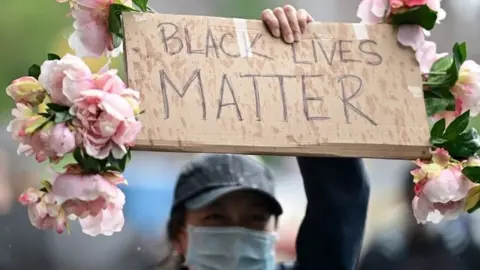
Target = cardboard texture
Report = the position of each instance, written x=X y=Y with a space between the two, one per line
x=225 y=85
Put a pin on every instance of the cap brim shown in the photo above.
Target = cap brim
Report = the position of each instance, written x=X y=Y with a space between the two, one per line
x=207 y=198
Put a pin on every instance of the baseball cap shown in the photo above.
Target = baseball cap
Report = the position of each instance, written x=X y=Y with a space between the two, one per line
x=208 y=177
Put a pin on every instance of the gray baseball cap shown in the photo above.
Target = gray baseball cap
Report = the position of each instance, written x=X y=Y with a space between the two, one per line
x=208 y=177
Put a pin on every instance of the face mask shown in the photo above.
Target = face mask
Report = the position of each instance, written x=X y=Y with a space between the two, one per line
x=230 y=248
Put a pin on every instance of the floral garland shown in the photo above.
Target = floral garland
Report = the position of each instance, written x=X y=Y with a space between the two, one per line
x=64 y=110
x=65 y=114
x=449 y=183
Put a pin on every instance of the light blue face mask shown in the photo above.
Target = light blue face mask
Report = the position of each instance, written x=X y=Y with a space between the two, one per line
x=230 y=248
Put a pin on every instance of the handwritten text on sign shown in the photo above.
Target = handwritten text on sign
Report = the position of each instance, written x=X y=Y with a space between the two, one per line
x=225 y=85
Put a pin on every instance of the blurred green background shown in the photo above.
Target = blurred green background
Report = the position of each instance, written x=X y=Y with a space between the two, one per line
x=27 y=41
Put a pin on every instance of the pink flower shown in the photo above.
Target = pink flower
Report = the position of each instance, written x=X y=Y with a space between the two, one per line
x=111 y=83
x=91 y=37
x=410 y=35
x=26 y=90
x=427 y=55
x=108 y=221
x=84 y=187
x=373 y=11
x=440 y=188
x=413 y=3
x=467 y=88
x=30 y=195
x=64 y=79
x=396 y=4
x=38 y=136
x=107 y=122
x=52 y=141
x=425 y=211
x=44 y=211
x=449 y=185
x=95 y=199
x=23 y=115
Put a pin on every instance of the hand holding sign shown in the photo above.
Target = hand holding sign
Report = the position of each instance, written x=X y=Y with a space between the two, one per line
x=287 y=22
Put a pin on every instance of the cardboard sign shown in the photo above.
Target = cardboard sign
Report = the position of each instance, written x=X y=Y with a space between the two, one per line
x=226 y=85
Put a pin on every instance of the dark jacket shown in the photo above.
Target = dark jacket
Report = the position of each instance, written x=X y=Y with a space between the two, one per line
x=331 y=234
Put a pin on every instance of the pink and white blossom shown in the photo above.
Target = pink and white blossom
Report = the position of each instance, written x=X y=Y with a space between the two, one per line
x=51 y=141
x=373 y=11
x=106 y=120
x=64 y=79
x=440 y=189
x=108 y=221
x=94 y=198
x=426 y=211
x=426 y=55
x=91 y=37
x=467 y=88
x=44 y=211
x=411 y=35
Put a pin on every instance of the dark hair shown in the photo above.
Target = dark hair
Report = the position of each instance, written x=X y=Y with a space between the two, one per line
x=170 y=260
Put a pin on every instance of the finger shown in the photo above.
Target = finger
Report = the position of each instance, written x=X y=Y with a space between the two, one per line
x=271 y=21
x=302 y=16
x=284 y=25
x=309 y=18
x=291 y=13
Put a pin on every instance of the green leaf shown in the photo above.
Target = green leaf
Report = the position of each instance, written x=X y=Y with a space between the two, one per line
x=444 y=73
x=435 y=105
x=118 y=164
x=91 y=165
x=115 y=20
x=34 y=71
x=472 y=173
x=46 y=185
x=457 y=126
x=438 y=99
x=78 y=156
x=438 y=141
x=46 y=115
x=464 y=145
x=472 y=200
x=141 y=4
x=61 y=117
x=57 y=108
x=117 y=41
x=459 y=54
x=52 y=56
x=421 y=15
x=438 y=128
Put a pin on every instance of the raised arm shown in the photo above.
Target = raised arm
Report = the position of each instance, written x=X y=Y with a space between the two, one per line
x=331 y=233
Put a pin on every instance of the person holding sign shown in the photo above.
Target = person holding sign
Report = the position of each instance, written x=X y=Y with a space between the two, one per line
x=225 y=214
